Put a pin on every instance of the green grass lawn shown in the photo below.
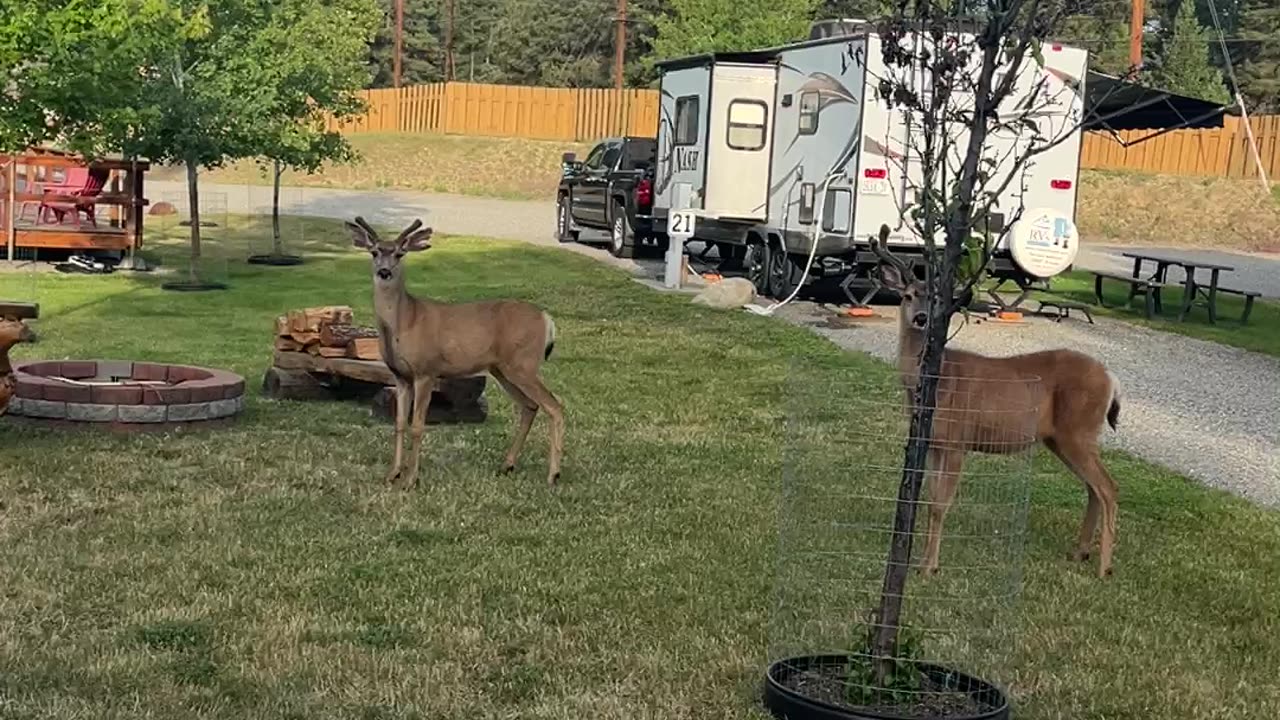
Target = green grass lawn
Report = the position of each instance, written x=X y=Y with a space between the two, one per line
x=1261 y=334
x=263 y=571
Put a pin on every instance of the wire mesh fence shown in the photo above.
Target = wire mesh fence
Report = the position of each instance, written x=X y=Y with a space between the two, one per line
x=277 y=239
x=208 y=270
x=842 y=473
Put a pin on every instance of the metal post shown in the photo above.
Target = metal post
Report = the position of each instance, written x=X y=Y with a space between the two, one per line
x=396 y=61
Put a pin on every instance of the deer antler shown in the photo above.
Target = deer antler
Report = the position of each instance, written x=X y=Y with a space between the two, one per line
x=880 y=246
x=409 y=230
x=373 y=234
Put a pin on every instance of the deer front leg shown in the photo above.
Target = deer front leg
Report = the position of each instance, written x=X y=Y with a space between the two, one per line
x=943 y=476
x=403 y=399
x=422 y=388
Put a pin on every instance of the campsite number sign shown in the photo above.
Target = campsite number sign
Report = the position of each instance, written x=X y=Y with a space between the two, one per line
x=682 y=223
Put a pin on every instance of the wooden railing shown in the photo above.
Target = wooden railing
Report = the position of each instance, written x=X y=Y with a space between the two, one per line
x=122 y=195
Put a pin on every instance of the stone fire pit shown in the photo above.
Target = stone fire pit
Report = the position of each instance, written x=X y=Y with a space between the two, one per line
x=125 y=395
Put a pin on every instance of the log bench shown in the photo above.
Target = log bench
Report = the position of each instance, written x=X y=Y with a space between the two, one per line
x=302 y=376
x=1149 y=288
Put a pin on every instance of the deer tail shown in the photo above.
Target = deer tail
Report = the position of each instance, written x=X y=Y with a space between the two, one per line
x=550 y=337
x=1113 y=411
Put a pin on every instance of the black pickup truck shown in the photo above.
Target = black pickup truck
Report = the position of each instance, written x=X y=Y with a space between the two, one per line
x=612 y=190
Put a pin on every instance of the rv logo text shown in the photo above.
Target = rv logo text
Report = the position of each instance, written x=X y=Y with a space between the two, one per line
x=686 y=159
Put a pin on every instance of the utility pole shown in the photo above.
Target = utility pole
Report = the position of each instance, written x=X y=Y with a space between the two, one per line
x=1136 y=20
x=449 y=68
x=620 y=45
x=395 y=62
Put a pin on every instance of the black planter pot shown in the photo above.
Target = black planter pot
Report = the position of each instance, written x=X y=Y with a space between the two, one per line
x=275 y=260
x=188 y=286
x=787 y=704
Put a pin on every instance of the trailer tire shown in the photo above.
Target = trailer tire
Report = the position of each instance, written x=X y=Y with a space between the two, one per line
x=783 y=274
x=755 y=264
x=564 y=219
x=621 y=239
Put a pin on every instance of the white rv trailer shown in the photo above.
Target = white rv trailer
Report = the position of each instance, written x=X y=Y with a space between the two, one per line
x=776 y=148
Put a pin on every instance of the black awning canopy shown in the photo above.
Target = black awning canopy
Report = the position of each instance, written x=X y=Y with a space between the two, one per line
x=1113 y=104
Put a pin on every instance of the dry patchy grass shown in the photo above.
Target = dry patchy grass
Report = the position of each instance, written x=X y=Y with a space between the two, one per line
x=494 y=167
x=1137 y=209
x=262 y=571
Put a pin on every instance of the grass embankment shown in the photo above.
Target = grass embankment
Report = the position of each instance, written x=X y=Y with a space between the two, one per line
x=264 y=571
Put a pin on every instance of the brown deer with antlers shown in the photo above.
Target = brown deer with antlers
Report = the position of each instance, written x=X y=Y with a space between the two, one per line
x=424 y=341
x=1073 y=395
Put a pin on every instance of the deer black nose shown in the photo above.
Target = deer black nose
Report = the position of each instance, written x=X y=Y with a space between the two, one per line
x=920 y=319
x=384 y=274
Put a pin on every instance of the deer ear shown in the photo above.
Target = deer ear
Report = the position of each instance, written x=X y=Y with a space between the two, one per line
x=359 y=236
x=892 y=278
x=417 y=240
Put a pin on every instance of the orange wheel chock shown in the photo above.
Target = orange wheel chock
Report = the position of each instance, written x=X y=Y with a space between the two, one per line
x=859 y=312
x=712 y=277
x=1008 y=316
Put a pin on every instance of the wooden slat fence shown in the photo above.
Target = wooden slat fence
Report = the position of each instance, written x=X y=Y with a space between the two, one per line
x=584 y=115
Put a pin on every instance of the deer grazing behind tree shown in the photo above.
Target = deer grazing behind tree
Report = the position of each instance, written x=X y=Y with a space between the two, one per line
x=424 y=341
x=1073 y=395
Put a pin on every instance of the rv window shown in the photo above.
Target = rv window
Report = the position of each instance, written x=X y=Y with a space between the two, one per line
x=748 y=124
x=687 y=120
x=809 y=112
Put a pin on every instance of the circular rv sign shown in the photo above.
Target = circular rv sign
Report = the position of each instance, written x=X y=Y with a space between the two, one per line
x=1044 y=242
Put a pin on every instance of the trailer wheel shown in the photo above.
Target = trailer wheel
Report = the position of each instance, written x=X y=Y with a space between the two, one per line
x=783 y=274
x=621 y=242
x=755 y=265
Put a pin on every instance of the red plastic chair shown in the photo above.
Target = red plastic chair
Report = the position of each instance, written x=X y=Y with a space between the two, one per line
x=84 y=197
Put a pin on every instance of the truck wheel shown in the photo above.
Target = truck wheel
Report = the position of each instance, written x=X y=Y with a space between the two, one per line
x=621 y=241
x=784 y=276
x=564 y=221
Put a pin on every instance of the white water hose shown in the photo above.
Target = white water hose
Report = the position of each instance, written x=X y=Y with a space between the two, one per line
x=813 y=249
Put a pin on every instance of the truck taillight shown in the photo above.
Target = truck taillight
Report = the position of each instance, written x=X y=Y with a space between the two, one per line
x=644 y=193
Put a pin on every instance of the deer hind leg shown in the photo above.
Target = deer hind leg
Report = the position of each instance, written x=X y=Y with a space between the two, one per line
x=942 y=479
x=403 y=399
x=422 y=388
x=528 y=410
x=1083 y=458
x=1089 y=525
x=531 y=385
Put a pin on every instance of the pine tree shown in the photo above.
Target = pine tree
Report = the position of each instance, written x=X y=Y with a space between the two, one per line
x=423 y=58
x=1258 y=60
x=1185 y=66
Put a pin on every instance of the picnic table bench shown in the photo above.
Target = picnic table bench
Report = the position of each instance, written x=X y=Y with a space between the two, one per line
x=1063 y=309
x=1149 y=288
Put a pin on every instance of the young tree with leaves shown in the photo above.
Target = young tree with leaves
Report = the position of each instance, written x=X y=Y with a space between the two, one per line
x=320 y=49
x=962 y=83
x=696 y=26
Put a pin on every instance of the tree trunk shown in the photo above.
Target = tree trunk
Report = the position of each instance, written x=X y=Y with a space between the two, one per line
x=193 y=200
x=915 y=458
x=276 y=247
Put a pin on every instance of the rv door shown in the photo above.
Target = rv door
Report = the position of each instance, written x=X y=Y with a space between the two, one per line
x=740 y=140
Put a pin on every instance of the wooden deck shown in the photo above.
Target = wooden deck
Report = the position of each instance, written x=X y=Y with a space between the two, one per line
x=119 y=208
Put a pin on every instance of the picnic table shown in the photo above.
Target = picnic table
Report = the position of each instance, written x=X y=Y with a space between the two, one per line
x=1194 y=293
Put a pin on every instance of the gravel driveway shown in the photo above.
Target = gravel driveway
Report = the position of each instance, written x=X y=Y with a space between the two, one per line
x=1199 y=408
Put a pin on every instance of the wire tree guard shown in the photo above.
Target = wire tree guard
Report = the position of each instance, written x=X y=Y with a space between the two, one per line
x=209 y=270
x=275 y=238
x=841 y=472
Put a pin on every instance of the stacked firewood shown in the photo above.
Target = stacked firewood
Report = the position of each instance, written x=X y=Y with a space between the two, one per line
x=328 y=332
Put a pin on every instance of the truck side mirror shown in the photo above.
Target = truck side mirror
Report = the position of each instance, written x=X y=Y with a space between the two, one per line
x=568 y=158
